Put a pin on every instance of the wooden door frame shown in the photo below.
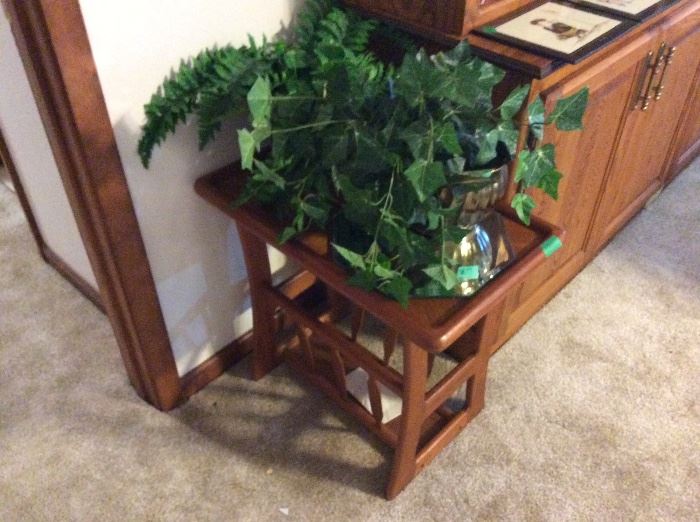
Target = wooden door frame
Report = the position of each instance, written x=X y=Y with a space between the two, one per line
x=55 y=50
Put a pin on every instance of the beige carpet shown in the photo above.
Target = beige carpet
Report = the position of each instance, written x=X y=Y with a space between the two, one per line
x=592 y=409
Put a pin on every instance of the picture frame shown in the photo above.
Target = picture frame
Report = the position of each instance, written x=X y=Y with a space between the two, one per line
x=558 y=29
x=638 y=10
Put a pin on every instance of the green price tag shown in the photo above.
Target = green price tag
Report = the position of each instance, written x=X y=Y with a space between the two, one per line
x=468 y=273
x=489 y=29
x=551 y=245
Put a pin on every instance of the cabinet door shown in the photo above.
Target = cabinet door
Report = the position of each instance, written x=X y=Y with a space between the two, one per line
x=583 y=158
x=638 y=169
x=687 y=139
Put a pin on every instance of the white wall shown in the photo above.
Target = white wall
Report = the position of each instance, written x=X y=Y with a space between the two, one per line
x=193 y=249
x=29 y=148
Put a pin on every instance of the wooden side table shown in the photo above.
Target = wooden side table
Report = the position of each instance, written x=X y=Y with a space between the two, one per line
x=296 y=322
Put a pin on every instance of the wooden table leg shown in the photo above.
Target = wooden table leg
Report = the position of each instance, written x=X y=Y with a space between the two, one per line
x=264 y=325
x=487 y=335
x=415 y=378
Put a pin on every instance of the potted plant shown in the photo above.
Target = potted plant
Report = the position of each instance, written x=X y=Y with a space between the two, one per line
x=389 y=158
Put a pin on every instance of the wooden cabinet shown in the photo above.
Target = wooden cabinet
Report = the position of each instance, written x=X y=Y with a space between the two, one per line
x=687 y=141
x=638 y=167
x=637 y=127
x=440 y=19
x=584 y=157
x=685 y=34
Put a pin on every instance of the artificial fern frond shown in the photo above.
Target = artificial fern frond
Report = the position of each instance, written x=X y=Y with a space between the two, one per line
x=214 y=84
x=225 y=94
x=308 y=20
x=177 y=97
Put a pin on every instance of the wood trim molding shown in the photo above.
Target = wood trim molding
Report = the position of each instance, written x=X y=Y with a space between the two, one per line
x=55 y=50
x=196 y=379
x=75 y=279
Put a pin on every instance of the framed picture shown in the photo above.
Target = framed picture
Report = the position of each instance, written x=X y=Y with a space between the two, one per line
x=558 y=29
x=635 y=9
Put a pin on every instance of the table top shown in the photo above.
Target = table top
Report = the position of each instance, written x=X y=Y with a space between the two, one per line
x=432 y=323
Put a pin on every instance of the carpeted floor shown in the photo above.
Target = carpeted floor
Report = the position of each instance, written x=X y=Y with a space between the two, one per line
x=592 y=410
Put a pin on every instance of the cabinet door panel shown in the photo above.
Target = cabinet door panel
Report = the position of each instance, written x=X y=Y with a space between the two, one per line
x=583 y=156
x=683 y=31
x=639 y=165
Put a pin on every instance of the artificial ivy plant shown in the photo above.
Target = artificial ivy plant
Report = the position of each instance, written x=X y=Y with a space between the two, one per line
x=338 y=140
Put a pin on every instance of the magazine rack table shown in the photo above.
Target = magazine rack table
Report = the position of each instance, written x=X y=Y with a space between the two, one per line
x=296 y=322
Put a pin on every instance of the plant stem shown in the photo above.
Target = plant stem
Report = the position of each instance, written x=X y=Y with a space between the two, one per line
x=290 y=98
x=309 y=126
x=388 y=201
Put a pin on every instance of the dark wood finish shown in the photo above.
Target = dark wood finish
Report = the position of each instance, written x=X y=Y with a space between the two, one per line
x=199 y=377
x=323 y=353
x=512 y=58
x=443 y=19
x=54 y=47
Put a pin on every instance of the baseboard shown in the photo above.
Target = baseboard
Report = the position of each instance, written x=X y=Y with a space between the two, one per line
x=199 y=377
x=75 y=279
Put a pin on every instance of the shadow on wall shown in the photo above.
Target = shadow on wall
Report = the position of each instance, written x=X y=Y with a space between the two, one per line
x=193 y=249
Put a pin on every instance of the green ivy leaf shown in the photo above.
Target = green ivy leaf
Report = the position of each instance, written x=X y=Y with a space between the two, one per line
x=260 y=102
x=287 y=234
x=400 y=289
x=523 y=205
x=487 y=144
x=363 y=279
x=246 y=142
x=385 y=273
x=249 y=143
x=266 y=174
x=443 y=275
x=534 y=165
x=315 y=209
x=550 y=183
x=536 y=118
x=353 y=258
x=568 y=112
x=416 y=137
x=426 y=177
x=512 y=104
x=446 y=137
x=508 y=134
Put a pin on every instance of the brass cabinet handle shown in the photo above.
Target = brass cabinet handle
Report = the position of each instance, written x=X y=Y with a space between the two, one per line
x=641 y=99
x=655 y=70
x=658 y=90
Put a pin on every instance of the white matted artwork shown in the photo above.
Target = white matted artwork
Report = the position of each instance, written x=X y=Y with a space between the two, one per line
x=635 y=9
x=558 y=27
x=626 y=6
